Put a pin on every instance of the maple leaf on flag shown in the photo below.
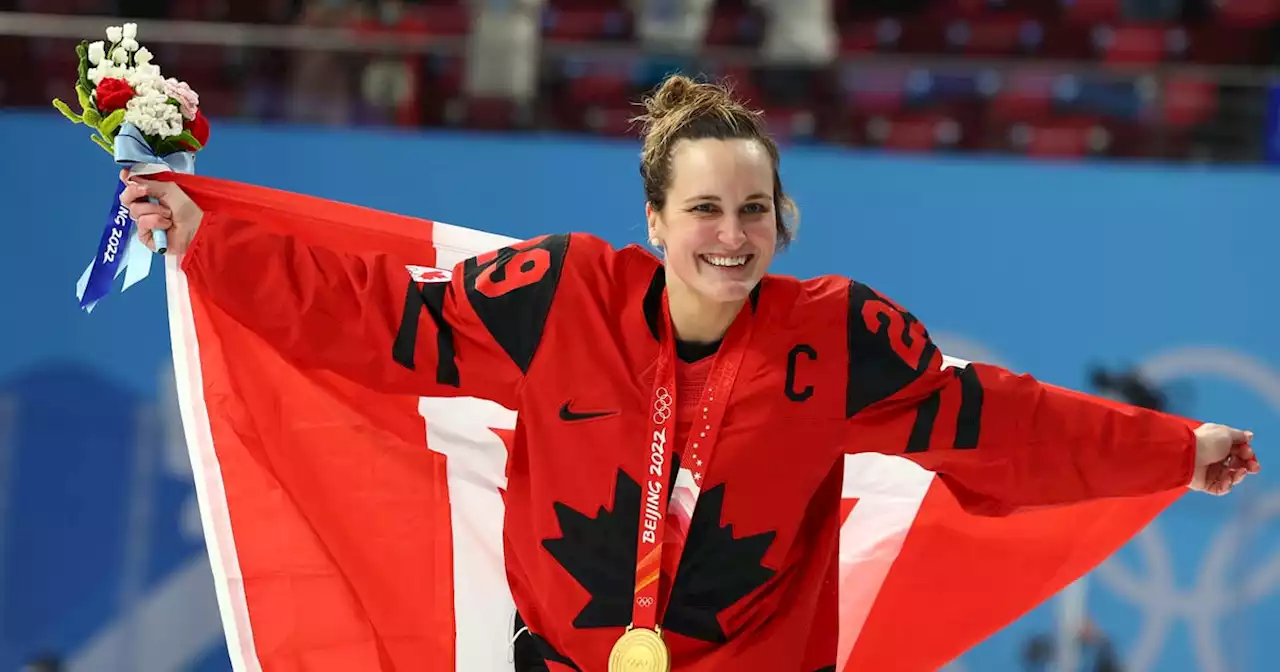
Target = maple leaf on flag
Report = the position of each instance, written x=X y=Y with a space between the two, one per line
x=716 y=570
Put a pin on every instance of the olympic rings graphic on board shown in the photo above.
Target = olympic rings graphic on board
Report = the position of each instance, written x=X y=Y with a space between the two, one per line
x=661 y=406
x=645 y=601
x=1220 y=587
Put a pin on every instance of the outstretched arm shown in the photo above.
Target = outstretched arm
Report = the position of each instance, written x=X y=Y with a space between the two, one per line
x=1003 y=441
x=325 y=304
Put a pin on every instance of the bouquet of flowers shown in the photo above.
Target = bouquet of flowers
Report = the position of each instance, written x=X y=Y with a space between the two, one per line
x=147 y=123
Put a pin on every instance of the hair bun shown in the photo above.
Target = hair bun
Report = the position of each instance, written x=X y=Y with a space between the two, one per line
x=675 y=93
x=681 y=96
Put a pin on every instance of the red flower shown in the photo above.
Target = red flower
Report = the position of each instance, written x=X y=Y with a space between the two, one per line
x=113 y=94
x=199 y=128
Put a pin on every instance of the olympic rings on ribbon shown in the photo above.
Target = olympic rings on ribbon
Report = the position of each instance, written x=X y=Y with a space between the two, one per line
x=661 y=406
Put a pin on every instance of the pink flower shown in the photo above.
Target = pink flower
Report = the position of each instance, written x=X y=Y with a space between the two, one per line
x=187 y=99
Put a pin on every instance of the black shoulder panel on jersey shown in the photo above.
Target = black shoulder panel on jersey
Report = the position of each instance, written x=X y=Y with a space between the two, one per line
x=888 y=348
x=429 y=297
x=511 y=291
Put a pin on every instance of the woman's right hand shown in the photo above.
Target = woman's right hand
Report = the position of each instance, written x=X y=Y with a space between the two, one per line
x=175 y=213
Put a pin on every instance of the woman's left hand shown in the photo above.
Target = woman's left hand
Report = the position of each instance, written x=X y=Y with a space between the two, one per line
x=1224 y=456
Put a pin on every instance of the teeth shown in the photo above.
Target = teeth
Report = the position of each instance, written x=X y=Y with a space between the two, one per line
x=725 y=261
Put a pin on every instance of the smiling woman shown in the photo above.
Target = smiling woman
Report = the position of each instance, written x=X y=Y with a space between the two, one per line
x=715 y=202
x=688 y=512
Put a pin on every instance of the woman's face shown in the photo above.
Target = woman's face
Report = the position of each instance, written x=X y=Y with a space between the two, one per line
x=719 y=228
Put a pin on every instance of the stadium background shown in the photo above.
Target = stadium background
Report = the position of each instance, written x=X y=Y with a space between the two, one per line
x=1080 y=190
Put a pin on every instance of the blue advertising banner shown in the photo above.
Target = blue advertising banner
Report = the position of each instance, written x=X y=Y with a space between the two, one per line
x=1271 y=132
x=1051 y=269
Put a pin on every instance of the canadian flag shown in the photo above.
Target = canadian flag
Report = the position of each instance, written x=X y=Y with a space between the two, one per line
x=351 y=530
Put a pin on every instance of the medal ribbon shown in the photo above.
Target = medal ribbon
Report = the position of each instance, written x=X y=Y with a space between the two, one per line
x=694 y=463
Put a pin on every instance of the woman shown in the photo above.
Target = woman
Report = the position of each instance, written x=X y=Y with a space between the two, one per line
x=647 y=387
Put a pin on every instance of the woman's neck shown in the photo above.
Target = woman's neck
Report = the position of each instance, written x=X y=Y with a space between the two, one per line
x=694 y=318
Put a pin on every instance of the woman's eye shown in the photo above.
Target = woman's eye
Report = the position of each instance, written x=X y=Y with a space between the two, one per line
x=712 y=208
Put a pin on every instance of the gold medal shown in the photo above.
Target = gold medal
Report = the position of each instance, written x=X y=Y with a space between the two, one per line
x=640 y=650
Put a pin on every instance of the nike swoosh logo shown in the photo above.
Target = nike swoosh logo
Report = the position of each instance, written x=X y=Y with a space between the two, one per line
x=569 y=415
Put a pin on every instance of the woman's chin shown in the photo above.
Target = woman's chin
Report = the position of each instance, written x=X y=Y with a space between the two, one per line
x=724 y=290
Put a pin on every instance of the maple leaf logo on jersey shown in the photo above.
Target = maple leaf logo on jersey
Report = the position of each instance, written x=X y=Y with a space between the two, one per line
x=716 y=570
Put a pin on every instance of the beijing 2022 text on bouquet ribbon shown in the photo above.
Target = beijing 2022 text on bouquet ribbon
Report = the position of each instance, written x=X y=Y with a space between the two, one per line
x=149 y=124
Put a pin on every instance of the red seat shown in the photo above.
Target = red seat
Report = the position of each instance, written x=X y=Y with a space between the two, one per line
x=874 y=89
x=1131 y=45
x=1073 y=137
x=1187 y=101
x=914 y=131
x=995 y=35
x=1024 y=95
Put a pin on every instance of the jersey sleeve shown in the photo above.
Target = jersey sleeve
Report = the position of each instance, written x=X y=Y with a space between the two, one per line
x=371 y=318
x=999 y=440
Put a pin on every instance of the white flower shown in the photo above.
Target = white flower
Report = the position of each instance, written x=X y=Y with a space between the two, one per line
x=153 y=115
x=143 y=57
x=130 y=31
x=129 y=44
x=145 y=79
x=97 y=52
x=119 y=55
x=114 y=33
x=149 y=73
x=104 y=70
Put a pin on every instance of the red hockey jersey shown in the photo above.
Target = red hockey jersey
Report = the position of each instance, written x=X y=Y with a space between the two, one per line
x=564 y=329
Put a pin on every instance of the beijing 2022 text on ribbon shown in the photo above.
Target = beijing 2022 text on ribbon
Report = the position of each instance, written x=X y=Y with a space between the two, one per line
x=120 y=251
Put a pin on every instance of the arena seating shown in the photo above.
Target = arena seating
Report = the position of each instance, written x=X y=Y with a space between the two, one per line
x=1061 y=78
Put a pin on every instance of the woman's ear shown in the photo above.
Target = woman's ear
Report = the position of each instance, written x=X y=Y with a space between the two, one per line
x=654 y=225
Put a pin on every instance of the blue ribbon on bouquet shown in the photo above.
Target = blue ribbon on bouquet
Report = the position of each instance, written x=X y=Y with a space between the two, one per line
x=120 y=251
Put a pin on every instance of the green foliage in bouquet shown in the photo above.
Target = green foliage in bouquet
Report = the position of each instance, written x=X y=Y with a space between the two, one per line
x=89 y=114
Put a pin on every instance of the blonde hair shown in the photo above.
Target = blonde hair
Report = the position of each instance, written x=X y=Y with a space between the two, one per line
x=683 y=109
